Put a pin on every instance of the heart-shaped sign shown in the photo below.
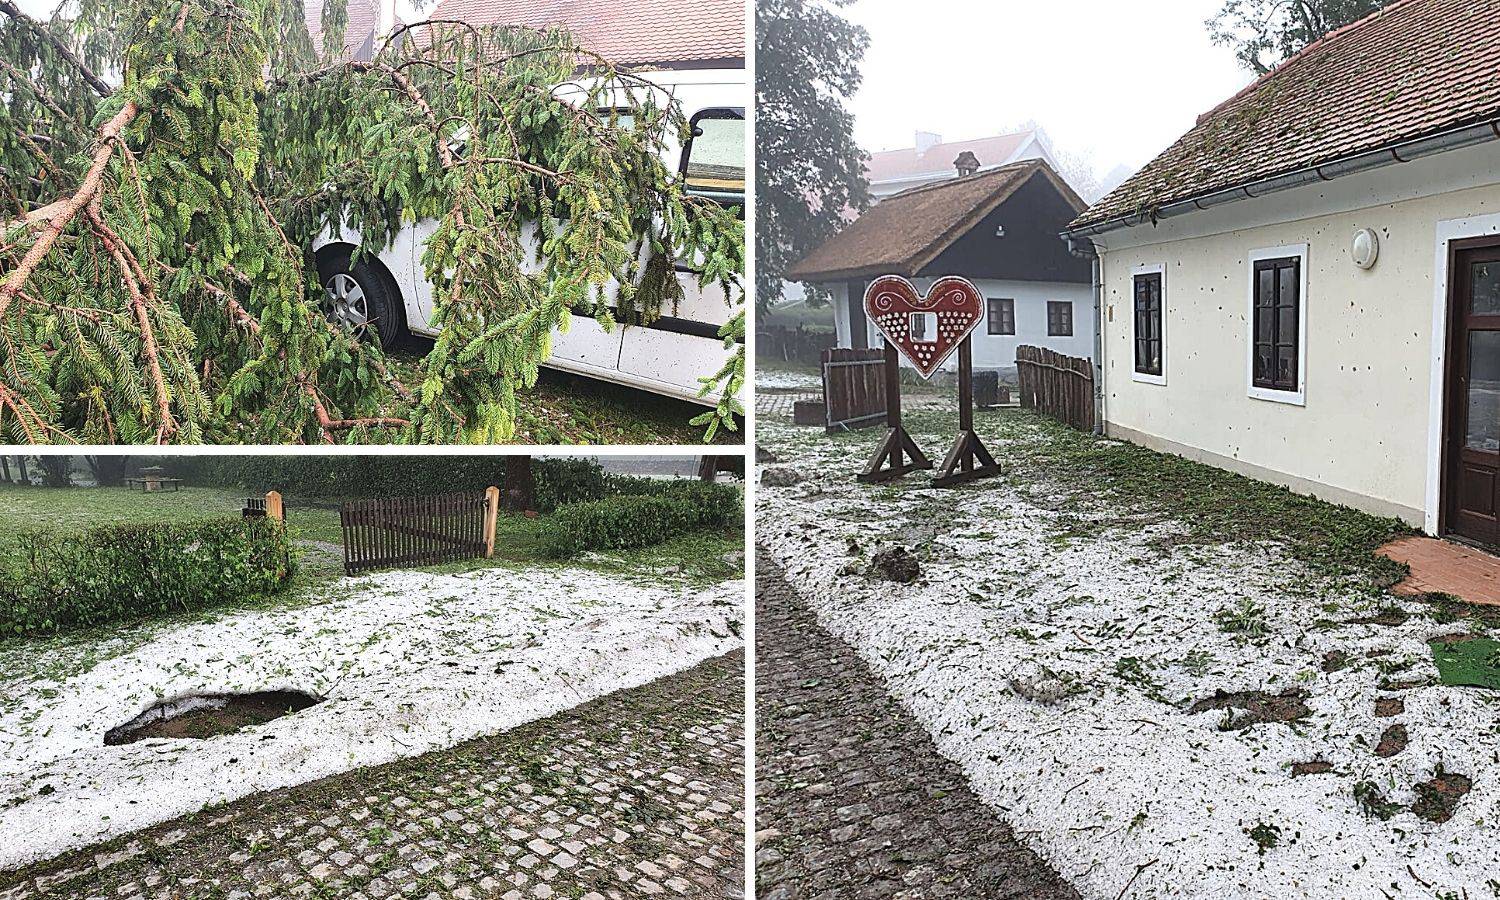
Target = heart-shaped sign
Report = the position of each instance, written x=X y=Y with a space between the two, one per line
x=925 y=329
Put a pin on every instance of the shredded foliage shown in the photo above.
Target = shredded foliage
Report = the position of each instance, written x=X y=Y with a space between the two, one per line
x=156 y=281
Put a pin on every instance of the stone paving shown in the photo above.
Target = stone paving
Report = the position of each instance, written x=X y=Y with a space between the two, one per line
x=638 y=794
x=780 y=403
x=852 y=799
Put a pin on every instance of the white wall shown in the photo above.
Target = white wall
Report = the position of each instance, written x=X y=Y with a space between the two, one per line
x=1367 y=432
x=993 y=351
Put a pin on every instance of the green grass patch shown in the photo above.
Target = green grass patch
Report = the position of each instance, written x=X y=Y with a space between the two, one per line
x=571 y=409
x=1471 y=663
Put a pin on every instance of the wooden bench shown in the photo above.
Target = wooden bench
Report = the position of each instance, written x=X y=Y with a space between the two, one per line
x=151 y=483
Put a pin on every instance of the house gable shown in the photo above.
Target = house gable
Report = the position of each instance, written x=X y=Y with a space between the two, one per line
x=1031 y=250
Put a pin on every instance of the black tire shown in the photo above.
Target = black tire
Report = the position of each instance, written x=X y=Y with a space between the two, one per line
x=381 y=299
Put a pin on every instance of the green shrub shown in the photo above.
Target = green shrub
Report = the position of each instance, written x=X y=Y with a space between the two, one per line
x=627 y=521
x=52 y=581
x=558 y=480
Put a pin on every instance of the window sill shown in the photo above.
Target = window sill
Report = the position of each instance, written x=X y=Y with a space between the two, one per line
x=1291 y=398
x=1145 y=378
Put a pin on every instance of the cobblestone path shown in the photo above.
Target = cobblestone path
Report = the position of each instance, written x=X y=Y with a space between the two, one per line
x=779 y=403
x=636 y=795
x=852 y=799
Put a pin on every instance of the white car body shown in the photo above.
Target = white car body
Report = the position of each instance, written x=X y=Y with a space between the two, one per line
x=667 y=357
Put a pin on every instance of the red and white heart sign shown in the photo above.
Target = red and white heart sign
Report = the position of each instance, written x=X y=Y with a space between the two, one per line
x=955 y=305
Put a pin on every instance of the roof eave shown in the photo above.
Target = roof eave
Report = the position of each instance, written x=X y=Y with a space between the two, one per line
x=1387 y=155
x=829 y=276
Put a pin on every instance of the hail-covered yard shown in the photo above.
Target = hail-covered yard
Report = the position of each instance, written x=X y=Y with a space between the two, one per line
x=405 y=662
x=1172 y=682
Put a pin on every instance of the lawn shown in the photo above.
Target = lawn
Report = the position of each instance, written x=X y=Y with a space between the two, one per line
x=570 y=409
x=72 y=509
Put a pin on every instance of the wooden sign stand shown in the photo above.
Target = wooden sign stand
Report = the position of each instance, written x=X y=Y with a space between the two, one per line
x=959 y=466
x=890 y=459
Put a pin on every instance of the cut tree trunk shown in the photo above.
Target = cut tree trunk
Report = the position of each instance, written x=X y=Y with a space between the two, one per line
x=519 y=495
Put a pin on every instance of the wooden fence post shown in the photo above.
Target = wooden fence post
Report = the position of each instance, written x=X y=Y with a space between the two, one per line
x=273 y=506
x=491 y=514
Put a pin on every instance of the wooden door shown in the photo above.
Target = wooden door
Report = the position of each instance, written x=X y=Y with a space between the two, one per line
x=1472 y=445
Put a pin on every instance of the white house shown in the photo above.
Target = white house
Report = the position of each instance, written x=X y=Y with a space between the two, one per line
x=931 y=158
x=1305 y=288
x=997 y=228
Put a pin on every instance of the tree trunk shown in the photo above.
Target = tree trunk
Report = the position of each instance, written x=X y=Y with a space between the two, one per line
x=56 y=470
x=5 y=468
x=108 y=471
x=710 y=467
x=25 y=475
x=519 y=495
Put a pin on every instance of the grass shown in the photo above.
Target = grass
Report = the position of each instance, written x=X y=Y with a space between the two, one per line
x=74 y=509
x=570 y=409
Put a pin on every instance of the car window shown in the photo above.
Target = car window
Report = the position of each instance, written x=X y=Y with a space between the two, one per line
x=713 y=162
x=624 y=118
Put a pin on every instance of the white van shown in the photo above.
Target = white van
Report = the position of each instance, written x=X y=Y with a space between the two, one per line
x=666 y=357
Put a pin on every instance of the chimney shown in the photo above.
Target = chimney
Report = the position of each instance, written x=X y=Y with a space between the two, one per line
x=966 y=164
x=926 y=140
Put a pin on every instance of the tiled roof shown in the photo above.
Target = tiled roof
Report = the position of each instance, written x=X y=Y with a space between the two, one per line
x=1414 y=69
x=362 y=21
x=626 y=32
x=886 y=165
x=905 y=232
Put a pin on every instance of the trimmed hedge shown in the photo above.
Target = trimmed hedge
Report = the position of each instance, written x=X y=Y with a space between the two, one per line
x=52 y=582
x=627 y=521
x=559 y=480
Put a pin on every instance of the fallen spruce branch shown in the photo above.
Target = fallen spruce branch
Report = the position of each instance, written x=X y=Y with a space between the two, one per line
x=63 y=50
x=68 y=211
x=329 y=425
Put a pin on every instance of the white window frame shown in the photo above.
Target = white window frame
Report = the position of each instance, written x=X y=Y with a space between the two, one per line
x=1149 y=269
x=1299 y=396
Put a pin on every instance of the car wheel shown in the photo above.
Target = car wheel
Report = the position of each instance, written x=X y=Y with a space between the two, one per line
x=359 y=296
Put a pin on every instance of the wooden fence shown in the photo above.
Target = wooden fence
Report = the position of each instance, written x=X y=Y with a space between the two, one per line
x=1059 y=386
x=853 y=388
x=267 y=507
x=418 y=531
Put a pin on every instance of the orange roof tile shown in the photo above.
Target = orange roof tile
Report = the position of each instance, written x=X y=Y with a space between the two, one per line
x=626 y=32
x=1414 y=69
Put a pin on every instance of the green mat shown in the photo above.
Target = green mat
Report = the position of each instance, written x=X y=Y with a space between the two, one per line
x=1475 y=663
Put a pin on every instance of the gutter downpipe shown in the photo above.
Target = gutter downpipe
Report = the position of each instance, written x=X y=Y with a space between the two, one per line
x=1084 y=248
x=1389 y=155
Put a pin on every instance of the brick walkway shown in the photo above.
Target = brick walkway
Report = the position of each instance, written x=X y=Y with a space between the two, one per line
x=1446 y=567
x=780 y=404
x=635 y=795
x=853 y=800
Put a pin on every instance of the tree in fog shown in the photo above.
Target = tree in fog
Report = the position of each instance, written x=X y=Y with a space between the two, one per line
x=1265 y=33
x=808 y=169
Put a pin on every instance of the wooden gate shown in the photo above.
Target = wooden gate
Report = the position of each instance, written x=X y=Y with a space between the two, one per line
x=853 y=388
x=1059 y=386
x=418 y=531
